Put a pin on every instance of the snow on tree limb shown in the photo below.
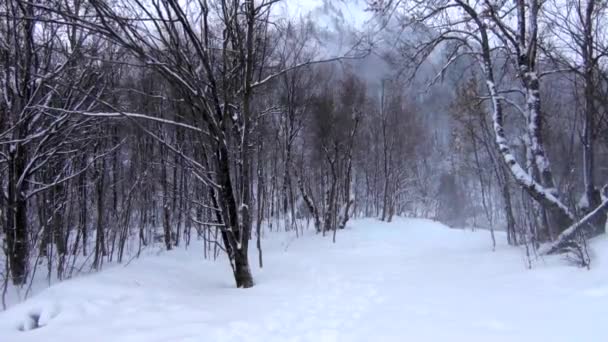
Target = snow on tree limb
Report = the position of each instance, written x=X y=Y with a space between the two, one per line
x=567 y=235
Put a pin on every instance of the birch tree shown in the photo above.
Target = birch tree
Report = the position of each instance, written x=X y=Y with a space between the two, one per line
x=497 y=34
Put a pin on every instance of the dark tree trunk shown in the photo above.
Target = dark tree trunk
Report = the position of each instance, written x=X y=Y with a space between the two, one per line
x=58 y=220
x=329 y=205
x=100 y=249
x=235 y=235
x=242 y=273
x=82 y=179
x=165 y=202
x=506 y=196
x=310 y=204
x=261 y=200
x=16 y=225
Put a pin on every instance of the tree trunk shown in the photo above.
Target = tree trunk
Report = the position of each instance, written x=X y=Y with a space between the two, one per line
x=506 y=196
x=82 y=218
x=312 y=208
x=592 y=194
x=235 y=235
x=16 y=225
x=100 y=249
x=165 y=202
x=329 y=205
x=260 y=201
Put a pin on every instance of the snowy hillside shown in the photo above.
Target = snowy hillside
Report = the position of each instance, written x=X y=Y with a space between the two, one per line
x=411 y=280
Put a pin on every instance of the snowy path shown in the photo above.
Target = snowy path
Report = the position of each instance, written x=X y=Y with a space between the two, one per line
x=412 y=280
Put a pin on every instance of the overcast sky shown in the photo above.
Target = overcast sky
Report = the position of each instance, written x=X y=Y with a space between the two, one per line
x=351 y=12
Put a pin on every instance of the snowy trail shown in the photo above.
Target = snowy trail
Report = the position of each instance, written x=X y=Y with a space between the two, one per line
x=411 y=280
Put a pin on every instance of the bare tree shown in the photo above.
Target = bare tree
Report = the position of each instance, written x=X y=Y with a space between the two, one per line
x=44 y=77
x=483 y=32
x=577 y=47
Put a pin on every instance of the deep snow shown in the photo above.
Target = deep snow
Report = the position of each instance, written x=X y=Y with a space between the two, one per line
x=411 y=280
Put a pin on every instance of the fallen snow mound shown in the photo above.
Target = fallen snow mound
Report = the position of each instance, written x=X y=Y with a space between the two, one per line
x=410 y=280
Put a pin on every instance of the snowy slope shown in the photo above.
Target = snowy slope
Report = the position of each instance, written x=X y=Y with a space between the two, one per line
x=411 y=280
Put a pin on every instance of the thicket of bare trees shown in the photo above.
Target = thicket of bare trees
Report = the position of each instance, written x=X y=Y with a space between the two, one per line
x=132 y=123
x=530 y=56
x=154 y=119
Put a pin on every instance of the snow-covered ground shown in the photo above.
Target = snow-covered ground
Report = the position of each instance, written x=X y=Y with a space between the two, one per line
x=411 y=280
